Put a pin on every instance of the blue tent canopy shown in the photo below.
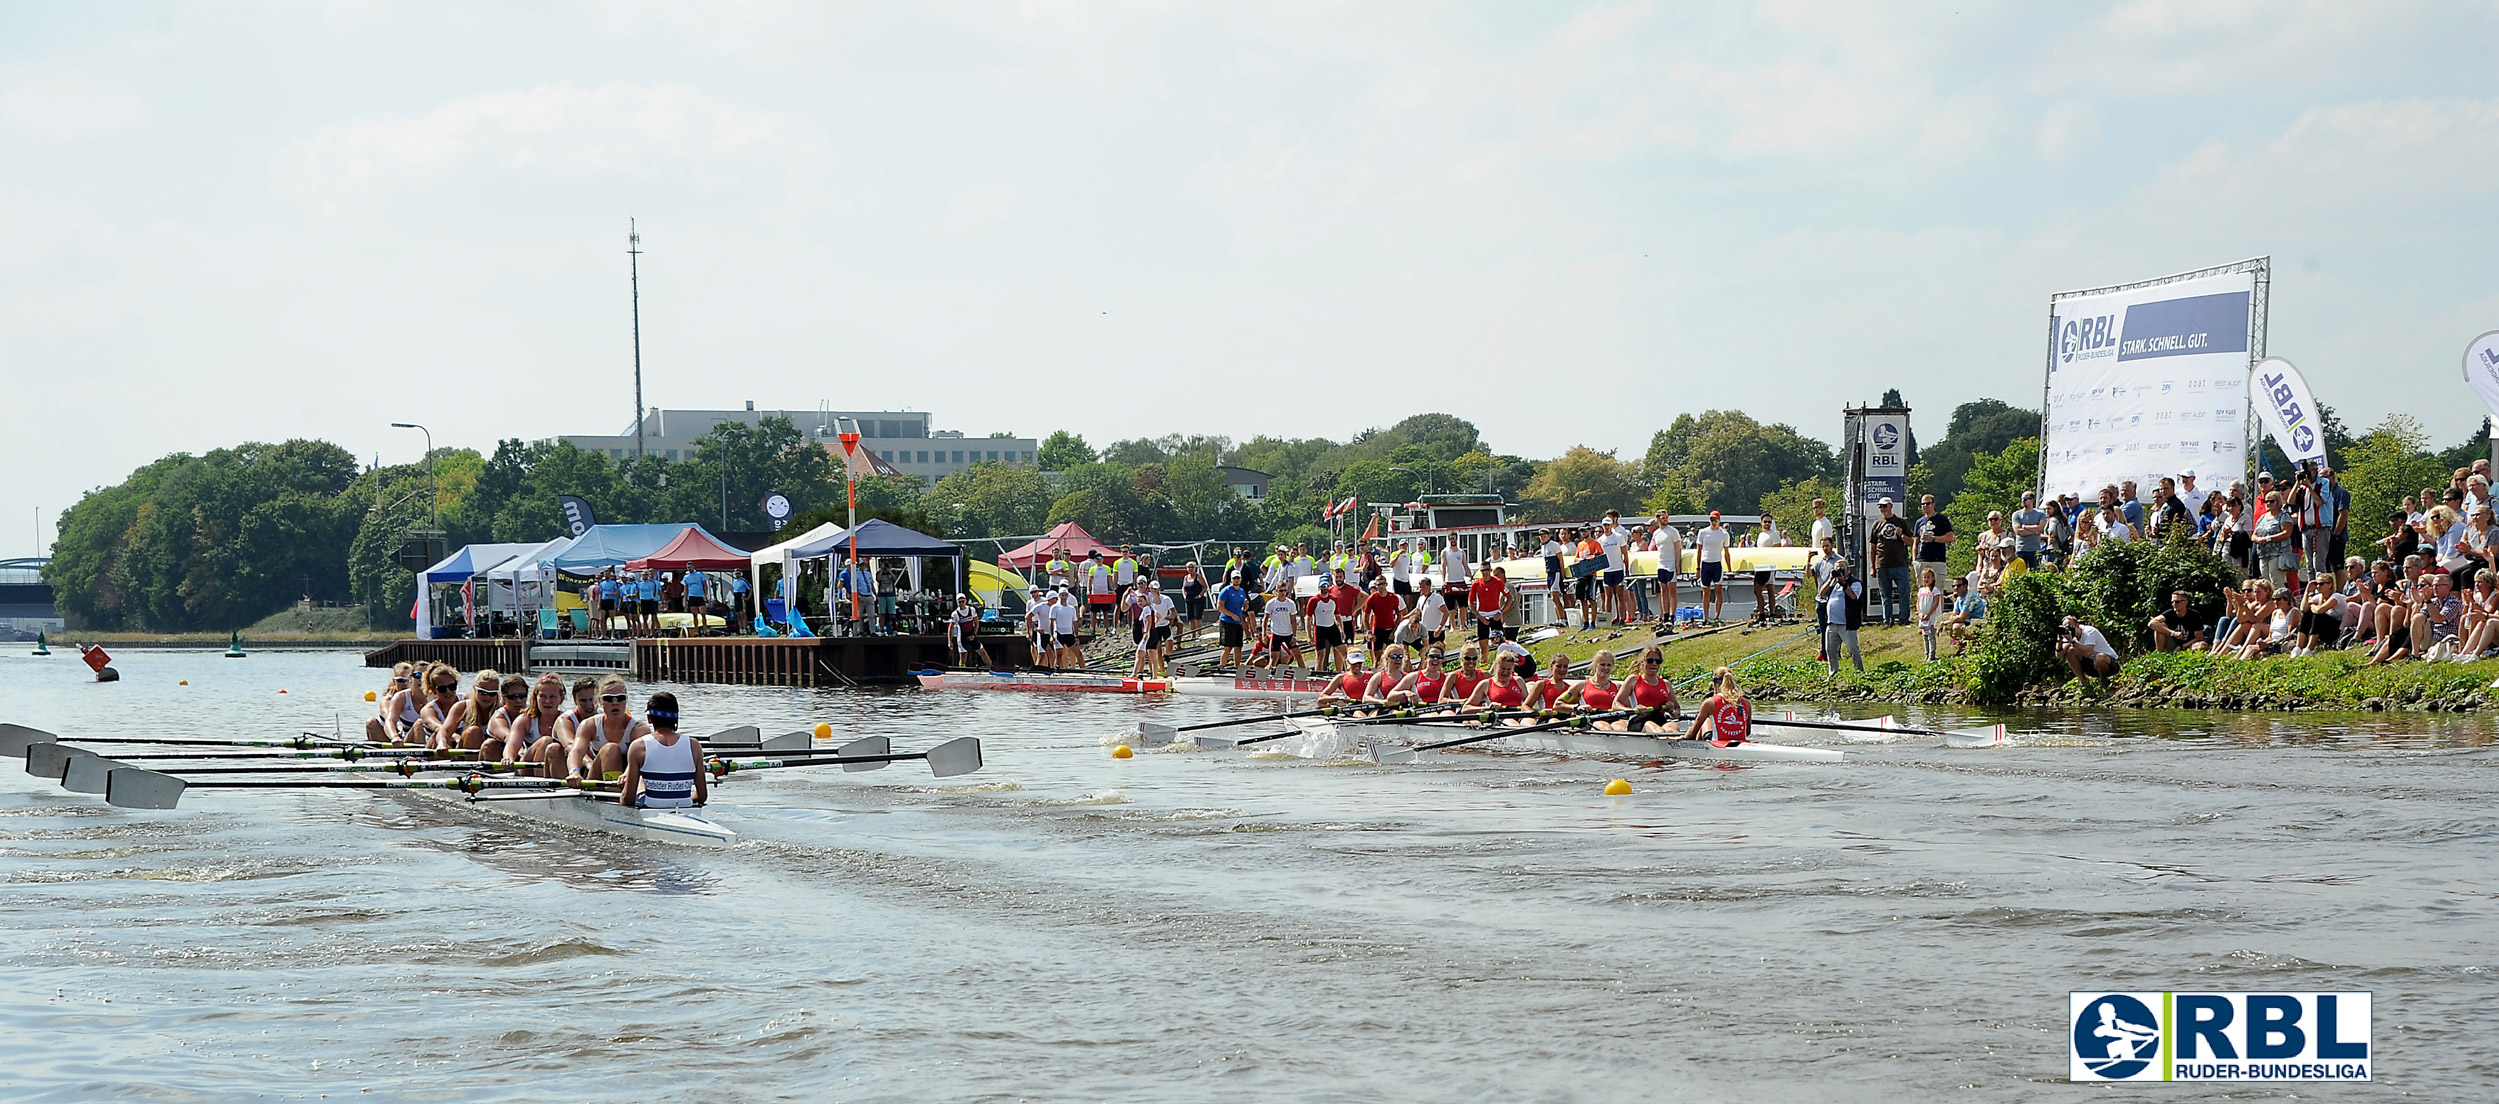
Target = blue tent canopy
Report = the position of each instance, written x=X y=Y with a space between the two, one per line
x=602 y=546
x=877 y=537
x=468 y=562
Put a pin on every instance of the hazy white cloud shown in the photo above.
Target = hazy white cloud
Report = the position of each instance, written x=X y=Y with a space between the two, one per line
x=67 y=108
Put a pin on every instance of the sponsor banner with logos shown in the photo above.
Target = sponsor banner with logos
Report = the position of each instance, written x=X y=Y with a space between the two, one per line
x=2148 y=382
x=2281 y=395
x=2219 y=1036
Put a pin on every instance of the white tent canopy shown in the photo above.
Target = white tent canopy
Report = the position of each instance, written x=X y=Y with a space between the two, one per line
x=780 y=554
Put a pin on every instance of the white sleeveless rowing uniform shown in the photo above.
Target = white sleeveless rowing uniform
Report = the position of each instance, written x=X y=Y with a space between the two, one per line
x=536 y=731
x=668 y=772
x=598 y=731
x=408 y=711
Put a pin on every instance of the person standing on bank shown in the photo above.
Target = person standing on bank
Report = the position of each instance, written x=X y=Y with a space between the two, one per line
x=1935 y=538
x=1843 y=601
x=2030 y=532
x=1891 y=564
x=1711 y=547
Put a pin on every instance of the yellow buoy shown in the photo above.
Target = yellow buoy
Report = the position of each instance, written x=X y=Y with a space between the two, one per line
x=1121 y=752
x=368 y=695
x=186 y=682
x=1617 y=788
x=824 y=731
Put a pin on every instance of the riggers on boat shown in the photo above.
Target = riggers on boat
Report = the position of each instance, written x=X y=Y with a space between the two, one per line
x=485 y=787
x=1078 y=683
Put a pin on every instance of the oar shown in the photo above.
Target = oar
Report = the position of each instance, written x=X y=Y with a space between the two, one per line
x=1156 y=735
x=89 y=773
x=961 y=755
x=138 y=788
x=17 y=741
x=1488 y=716
x=1408 y=754
x=1990 y=736
x=800 y=740
x=866 y=753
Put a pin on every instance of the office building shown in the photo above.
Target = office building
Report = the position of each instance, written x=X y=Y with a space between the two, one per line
x=902 y=440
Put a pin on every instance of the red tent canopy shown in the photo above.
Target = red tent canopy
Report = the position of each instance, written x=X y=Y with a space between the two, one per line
x=693 y=550
x=1067 y=539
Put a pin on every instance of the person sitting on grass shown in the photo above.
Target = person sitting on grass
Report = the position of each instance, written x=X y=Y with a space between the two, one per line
x=1968 y=610
x=2085 y=650
x=2436 y=617
x=2320 y=619
x=2268 y=627
x=2179 y=628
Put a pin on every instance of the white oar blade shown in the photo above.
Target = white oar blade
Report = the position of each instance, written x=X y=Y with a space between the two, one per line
x=1990 y=736
x=48 y=761
x=742 y=734
x=133 y=788
x=1391 y=754
x=1211 y=741
x=800 y=740
x=86 y=773
x=15 y=739
x=1155 y=735
x=961 y=755
x=866 y=746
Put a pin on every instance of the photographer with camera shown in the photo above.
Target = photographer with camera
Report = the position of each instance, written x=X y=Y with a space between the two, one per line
x=2085 y=650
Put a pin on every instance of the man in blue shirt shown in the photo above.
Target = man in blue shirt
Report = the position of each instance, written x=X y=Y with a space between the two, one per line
x=1968 y=610
x=1232 y=605
x=2130 y=503
x=739 y=615
x=696 y=601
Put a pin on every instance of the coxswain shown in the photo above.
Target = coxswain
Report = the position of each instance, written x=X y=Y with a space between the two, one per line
x=664 y=770
x=1597 y=692
x=1727 y=717
x=1469 y=675
x=599 y=743
x=1503 y=689
x=1651 y=693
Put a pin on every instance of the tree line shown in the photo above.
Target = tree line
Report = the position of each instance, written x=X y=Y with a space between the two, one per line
x=217 y=541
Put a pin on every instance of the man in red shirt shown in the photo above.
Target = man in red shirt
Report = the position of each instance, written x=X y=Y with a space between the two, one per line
x=1484 y=597
x=1382 y=611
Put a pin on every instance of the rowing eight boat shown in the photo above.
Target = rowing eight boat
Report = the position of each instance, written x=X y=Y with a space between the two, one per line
x=1078 y=683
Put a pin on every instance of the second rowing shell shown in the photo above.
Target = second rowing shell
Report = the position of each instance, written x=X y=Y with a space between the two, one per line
x=1326 y=740
x=1068 y=683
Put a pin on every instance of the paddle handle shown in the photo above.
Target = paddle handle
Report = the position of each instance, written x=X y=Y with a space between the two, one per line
x=1501 y=732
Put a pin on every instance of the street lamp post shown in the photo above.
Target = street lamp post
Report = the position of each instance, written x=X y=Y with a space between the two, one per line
x=434 y=488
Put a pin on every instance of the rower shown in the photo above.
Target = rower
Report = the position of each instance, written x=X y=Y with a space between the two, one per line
x=501 y=744
x=440 y=720
x=1727 y=716
x=1651 y=692
x=1469 y=675
x=533 y=737
x=1555 y=685
x=1350 y=686
x=377 y=728
x=1388 y=686
x=1425 y=685
x=481 y=710
x=1596 y=694
x=663 y=770
x=1503 y=689
x=599 y=743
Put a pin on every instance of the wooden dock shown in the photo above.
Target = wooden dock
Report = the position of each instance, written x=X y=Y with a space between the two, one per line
x=736 y=660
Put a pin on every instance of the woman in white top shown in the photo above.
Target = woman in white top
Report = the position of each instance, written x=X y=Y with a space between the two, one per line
x=599 y=743
x=1930 y=605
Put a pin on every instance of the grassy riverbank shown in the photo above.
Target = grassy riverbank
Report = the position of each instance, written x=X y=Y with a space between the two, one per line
x=1896 y=670
x=294 y=627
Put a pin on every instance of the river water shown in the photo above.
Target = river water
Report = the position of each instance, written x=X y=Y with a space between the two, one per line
x=1199 y=925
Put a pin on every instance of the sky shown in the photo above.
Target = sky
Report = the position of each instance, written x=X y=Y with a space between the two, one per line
x=1567 y=223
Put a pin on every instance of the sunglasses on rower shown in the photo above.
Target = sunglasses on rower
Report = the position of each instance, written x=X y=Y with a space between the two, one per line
x=611 y=697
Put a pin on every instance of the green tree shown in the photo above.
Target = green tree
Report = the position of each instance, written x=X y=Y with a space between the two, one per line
x=1581 y=484
x=1994 y=482
x=990 y=499
x=1064 y=450
x=1728 y=461
x=1978 y=428
x=1793 y=505
x=735 y=465
x=2382 y=468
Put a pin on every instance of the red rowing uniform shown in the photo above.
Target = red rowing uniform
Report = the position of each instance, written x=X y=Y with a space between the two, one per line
x=1427 y=690
x=1597 y=697
x=1350 y=685
x=1506 y=697
x=1650 y=695
x=1730 y=720
x=1552 y=691
x=1462 y=685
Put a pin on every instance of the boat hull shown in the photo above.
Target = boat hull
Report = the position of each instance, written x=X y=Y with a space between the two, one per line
x=1200 y=687
x=684 y=827
x=1619 y=745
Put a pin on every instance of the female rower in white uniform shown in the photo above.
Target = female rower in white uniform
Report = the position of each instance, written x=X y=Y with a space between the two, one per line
x=439 y=720
x=599 y=743
x=664 y=770
x=481 y=710
x=500 y=745
x=533 y=737
x=380 y=727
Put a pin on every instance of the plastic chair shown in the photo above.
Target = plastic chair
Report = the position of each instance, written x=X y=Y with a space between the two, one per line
x=581 y=621
x=549 y=626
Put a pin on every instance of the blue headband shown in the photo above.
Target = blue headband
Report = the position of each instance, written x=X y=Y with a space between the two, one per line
x=660 y=714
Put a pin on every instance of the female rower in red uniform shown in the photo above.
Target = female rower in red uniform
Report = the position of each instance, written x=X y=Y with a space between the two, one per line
x=1504 y=689
x=1382 y=689
x=1425 y=685
x=1727 y=717
x=1469 y=675
x=1348 y=687
x=1549 y=691
x=1648 y=689
x=1597 y=692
